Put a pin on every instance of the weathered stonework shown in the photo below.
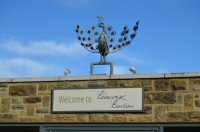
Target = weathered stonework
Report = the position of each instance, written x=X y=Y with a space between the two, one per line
x=165 y=100
x=18 y=107
x=120 y=119
x=16 y=100
x=159 y=113
x=42 y=87
x=5 y=105
x=161 y=85
x=82 y=118
x=46 y=101
x=27 y=100
x=30 y=110
x=22 y=90
x=174 y=107
x=42 y=110
x=96 y=84
x=77 y=84
x=197 y=103
x=130 y=83
x=160 y=98
x=112 y=83
x=100 y=118
x=60 y=118
x=193 y=116
x=8 y=117
x=31 y=119
x=177 y=84
x=188 y=102
x=140 y=118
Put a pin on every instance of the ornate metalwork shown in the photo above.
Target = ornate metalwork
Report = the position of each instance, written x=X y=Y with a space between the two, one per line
x=102 y=39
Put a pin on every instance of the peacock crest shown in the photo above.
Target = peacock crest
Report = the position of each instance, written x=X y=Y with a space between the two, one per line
x=102 y=39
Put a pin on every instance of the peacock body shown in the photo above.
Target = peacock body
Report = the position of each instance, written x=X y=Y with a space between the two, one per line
x=102 y=39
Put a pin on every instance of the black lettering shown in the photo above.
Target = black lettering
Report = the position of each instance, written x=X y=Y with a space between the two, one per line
x=124 y=106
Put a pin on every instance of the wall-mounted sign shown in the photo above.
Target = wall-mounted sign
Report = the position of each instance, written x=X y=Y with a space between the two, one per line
x=97 y=100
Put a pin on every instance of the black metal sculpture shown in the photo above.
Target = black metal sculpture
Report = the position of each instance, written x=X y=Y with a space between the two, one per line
x=103 y=42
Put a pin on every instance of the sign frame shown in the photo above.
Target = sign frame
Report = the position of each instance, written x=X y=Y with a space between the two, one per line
x=95 y=111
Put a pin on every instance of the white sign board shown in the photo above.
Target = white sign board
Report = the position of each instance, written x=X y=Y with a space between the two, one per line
x=97 y=100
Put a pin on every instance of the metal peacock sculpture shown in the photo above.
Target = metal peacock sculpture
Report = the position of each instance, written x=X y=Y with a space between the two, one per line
x=104 y=41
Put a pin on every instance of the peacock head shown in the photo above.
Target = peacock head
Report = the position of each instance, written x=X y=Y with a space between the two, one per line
x=101 y=23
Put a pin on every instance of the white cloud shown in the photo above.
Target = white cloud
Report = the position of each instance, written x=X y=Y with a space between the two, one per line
x=37 y=58
x=22 y=67
x=42 y=48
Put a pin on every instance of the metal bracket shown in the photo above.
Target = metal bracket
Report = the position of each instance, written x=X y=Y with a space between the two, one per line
x=101 y=63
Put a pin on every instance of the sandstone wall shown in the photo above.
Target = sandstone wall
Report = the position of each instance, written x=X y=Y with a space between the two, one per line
x=166 y=100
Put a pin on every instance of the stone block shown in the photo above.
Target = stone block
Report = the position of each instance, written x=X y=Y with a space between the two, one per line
x=100 y=118
x=30 y=100
x=46 y=101
x=130 y=83
x=51 y=86
x=174 y=108
x=3 y=85
x=179 y=84
x=42 y=110
x=197 y=103
x=8 y=118
x=82 y=118
x=22 y=90
x=18 y=107
x=59 y=85
x=179 y=98
x=192 y=116
x=30 y=110
x=77 y=84
x=119 y=119
x=16 y=100
x=66 y=118
x=5 y=105
x=161 y=85
x=195 y=85
x=140 y=118
x=196 y=89
x=31 y=119
x=42 y=87
x=194 y=81
x=112 y=83
x=3 y=89
x=148 y=89
x=3 y=94
x=159 y=113
x=147 y=85
x=148 y=109
x=196 y=96
x=60 y=118
x=43 y=93
x=22 y=113
x=160 y=98
x=188 y=102
x=96 y=84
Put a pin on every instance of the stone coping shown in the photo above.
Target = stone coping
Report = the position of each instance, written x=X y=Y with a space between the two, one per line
x=103 y=77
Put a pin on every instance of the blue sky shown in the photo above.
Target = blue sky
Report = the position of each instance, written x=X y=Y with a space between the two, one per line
x=37 y=37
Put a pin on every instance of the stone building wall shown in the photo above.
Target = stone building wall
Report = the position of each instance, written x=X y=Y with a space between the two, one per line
x=167 y=99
